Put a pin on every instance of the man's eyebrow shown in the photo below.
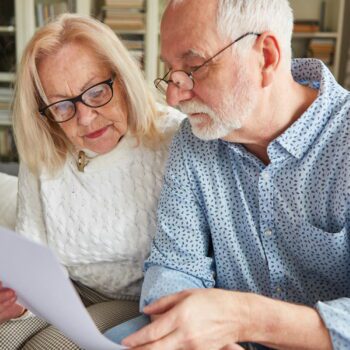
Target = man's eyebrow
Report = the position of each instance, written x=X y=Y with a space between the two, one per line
x=192 y=53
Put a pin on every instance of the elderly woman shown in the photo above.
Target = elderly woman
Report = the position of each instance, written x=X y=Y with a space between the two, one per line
x=92 y=145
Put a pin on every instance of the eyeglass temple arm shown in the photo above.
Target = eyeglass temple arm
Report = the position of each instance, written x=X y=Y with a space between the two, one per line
x=226 y=47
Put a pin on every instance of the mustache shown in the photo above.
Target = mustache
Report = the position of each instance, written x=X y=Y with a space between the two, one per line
x=191 y=107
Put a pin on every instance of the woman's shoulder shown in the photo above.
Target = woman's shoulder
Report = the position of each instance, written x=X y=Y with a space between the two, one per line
x=169 y=119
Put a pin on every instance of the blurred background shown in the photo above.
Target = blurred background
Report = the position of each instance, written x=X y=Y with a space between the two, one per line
x=321 y=30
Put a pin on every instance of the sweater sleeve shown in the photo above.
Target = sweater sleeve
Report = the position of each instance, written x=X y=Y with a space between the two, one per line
x=30 y=218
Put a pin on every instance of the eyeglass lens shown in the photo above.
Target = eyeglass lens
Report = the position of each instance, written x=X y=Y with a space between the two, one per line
x=181 y=80
x=97 y=96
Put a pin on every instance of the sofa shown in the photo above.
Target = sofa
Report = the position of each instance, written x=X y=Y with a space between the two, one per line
x=8 y=200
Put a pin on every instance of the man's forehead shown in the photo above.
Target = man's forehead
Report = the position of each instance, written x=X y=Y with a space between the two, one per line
x=188 y=7
x=178 y=45
x=185 y=50
x=189 y=30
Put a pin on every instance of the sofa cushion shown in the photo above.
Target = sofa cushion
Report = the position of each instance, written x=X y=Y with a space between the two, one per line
x=8 y=200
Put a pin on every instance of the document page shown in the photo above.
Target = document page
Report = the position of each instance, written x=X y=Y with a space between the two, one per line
x=43 y=286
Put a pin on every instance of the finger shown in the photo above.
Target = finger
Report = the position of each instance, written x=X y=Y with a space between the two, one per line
x=14 y=311
x=7 y=303
x=6 y=294
x=155 y=317
x=169 y=342
x=164 y=304
x=8 y=310
x=162 y=326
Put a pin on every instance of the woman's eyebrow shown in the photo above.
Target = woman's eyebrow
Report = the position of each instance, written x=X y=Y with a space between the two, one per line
x=83 y=88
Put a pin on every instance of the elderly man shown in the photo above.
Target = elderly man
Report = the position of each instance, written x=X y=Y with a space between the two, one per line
x=253 y=242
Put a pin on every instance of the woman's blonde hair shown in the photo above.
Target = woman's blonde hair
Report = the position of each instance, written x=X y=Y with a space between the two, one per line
x=41 y=143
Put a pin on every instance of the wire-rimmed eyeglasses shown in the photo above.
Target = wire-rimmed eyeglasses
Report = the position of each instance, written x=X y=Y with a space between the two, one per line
x=95 y=96
x=185 y=80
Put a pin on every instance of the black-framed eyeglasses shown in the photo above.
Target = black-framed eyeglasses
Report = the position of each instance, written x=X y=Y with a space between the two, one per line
x=185 y=80
x=95 y=96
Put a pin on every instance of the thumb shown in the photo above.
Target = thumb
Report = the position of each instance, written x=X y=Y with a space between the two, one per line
x=164 y=304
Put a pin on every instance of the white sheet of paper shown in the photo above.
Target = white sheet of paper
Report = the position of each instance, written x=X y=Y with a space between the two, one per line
x=43 y=286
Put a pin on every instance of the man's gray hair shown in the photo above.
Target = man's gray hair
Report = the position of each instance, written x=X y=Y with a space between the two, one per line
x=237 y=17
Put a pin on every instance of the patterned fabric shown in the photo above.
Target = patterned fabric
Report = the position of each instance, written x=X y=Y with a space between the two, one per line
x=36 y=334
x=226 y=220
x=105 y=315
x=14 y=334
x=100 y=222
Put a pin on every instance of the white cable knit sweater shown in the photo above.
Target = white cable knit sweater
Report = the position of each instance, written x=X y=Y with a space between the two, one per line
x=100 y=222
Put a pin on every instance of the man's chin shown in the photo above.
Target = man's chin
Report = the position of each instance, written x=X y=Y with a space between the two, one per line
x=203 y=133
x=207 y=133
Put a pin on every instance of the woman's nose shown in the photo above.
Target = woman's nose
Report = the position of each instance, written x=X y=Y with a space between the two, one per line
x=84 y=114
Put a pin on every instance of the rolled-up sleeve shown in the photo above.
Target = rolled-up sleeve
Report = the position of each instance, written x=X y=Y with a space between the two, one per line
x=336 y=316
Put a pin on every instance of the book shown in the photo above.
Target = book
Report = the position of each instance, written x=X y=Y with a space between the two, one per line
x=322 y=49
x=322 y=45
x=124 y=24
x=306 y=26
x=133 y=44
x=124 y=4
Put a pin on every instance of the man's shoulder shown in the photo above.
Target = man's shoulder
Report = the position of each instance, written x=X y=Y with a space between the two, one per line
x=185 y=135
x=189 y=142
x=340 y=120
x=170 y=118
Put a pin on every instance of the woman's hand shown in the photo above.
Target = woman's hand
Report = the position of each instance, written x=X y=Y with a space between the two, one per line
x=8 y=307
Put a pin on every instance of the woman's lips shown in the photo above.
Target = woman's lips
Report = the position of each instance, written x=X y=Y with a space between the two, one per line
x=97 y=133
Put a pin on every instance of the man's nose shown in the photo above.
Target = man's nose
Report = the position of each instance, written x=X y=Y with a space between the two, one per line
x=174 y=95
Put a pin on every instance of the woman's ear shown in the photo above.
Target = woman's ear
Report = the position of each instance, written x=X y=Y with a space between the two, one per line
x=270 y=56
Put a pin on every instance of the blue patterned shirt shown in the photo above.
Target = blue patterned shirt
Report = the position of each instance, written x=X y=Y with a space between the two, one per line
x=228 y=221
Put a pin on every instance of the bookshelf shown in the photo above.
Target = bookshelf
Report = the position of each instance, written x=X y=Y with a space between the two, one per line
x=8 y=60
x=136 y=22
x=318 y=32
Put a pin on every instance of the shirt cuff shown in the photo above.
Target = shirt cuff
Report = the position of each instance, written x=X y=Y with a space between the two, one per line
x=161 y=281
x=27 y=314
x=336 y=316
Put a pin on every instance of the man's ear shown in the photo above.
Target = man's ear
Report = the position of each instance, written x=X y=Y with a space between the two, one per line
x=270 y=55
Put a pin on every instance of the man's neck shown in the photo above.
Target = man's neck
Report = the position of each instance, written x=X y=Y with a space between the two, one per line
x=278 y=112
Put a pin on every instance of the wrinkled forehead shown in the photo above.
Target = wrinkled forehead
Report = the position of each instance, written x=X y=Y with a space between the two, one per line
x=189 y=28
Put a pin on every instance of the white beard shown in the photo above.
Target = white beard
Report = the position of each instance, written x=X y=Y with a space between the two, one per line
x=235 y=107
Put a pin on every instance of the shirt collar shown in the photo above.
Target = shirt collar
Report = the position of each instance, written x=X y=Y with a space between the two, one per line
x=298 y=138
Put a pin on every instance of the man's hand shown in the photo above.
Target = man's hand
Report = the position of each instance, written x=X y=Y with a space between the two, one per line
x=210 y=319
x=8 y=307
x=215 y=319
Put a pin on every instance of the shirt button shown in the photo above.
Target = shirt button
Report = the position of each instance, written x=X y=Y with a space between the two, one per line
x=268 y=233
x=278 y=290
